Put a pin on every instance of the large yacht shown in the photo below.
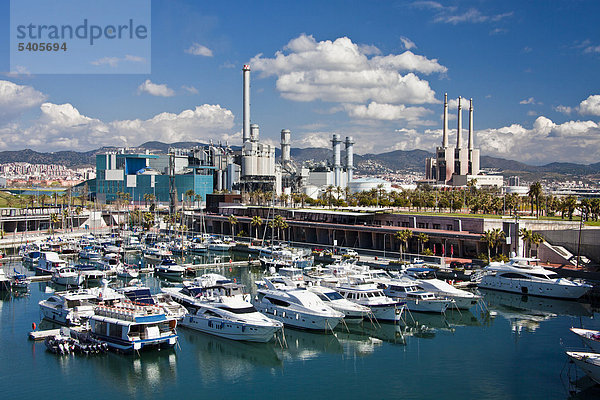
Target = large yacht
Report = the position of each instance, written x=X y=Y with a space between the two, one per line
x=353 y=312
x=219 y=307
x=48 y=262
x=169 y=269
x=68 y=308
x=521 y=275
x=297 y=308
x=383 y=307
x=416 y=299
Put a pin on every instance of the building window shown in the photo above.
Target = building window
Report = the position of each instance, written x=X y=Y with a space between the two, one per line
x=436 y=226
x=405 y=225
x=421 y=225
x=449 y=227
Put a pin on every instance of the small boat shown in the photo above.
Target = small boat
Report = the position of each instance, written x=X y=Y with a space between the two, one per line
x=416 y=299
x=90 y=253
x=383 y=307
x=127 y=271
x=217 y=245
x=590 y=337
x=20 y=282
x=128 y=327
x=67 y=276
x=142 y=295
x=5 y=282
x=588 y=362
x=48 y=262
x=157 y=253
x=68 y=308
x=31 y=258
x=169 y=269
x=90 y=273
x=68 y=341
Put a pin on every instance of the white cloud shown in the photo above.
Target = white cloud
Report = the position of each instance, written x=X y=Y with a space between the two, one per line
x=564 y=109
x=388 y=112
x=313 y=139
x=190 y=89
x=197 y=49
x=590 y=106
x=453 y=104
x=407 y=43
x=156 y=89
x=451 y=14
x=16 y=99
x=532 y=113
x=114 y=61
x=341 y=71
x=530 y=100
x=18 y=71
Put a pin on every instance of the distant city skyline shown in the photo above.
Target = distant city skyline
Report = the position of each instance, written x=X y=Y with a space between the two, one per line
x=376 y=71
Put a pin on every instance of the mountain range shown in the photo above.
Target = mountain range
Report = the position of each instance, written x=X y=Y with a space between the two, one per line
x=393 y=161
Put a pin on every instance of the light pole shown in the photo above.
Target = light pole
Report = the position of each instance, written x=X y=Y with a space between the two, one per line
x=384 y=235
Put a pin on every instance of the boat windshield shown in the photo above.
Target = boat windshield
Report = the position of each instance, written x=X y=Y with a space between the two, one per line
x=240 y=310
x=333 y=295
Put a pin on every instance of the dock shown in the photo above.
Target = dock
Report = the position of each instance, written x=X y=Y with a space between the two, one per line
x=245 y=263
x=42 y=335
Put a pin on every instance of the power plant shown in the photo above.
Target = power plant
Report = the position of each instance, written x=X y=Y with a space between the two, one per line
x=456 y=166
x=217 y=167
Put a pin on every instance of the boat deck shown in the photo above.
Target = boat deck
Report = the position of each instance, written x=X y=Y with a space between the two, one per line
x=42 y=335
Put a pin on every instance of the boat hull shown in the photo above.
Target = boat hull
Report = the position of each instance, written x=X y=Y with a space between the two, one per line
x=590 y=337
x=298 y=319
x=570 y=292
x=229 y=329
x=588 y=362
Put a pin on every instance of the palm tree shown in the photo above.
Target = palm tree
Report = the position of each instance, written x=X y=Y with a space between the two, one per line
x=256 y=222
x=527 y=236
x=493 y=237
x=535 y=192
x=232 y=222
x=403 y=236
x=189 y=194
x=423 y=238
x=53 y=221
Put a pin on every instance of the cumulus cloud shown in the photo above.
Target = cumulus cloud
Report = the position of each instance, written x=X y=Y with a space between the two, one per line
x=190 y=89
x=590 y=106
x=388 y=112
x=453 y=103
x=197 y=49
x=564 y=109
x=341 y=71
x=115 y=61
x=530 y=100
x=156 y=89
x=16 y=99
x=62 y=126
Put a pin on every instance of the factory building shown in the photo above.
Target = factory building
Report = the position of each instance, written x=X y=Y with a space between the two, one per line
x=458 y=165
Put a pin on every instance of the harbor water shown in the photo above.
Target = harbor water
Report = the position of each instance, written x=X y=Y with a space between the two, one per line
x=516 y=351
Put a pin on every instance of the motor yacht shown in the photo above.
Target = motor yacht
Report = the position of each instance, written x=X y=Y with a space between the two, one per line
x=142 y=295
x=384 y=308
x=217 y=245
x=157 y=253
x=169 y=269
x=68 y=308
x=298 y=308
x=67 y=276
x=48 y=262
x=416 y=299
x=521 y=275
x=353 y=312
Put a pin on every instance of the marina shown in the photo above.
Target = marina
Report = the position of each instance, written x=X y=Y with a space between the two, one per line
x=456 y=347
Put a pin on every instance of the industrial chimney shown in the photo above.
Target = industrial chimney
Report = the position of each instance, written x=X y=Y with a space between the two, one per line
x=285 y=146
x=246 y=109
x=337 y=158
x=445 y=127
x=459 y=128
x=471 y=144
x=349 y=157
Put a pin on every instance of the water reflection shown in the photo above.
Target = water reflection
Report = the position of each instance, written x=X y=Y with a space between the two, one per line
x=528 y=312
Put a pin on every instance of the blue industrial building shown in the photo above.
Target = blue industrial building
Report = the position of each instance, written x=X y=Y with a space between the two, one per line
x=140 y=174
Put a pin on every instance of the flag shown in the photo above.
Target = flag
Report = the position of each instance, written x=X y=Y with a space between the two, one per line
x=451 y=250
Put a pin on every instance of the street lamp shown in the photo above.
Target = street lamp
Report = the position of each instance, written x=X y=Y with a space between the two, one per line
x=384 y=235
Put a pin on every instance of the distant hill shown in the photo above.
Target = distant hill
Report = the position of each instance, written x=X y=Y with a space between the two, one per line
x=397 y=160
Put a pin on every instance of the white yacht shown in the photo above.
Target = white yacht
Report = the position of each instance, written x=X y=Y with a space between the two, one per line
x=353 y=312
x=520 y=275
x=590 y=337
x=90 y=253
x=68 y=308
x=588 y=362
x=462 y=299
x=216 y=244
x=383 y=307
x=130 y=327
x=48 y=262
x=157 y=253
x=67 y=276
x=416 y=299
x=169 y=269
x=297 y=308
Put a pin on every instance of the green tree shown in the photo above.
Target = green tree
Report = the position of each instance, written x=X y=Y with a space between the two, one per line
x=403 y=236
x=232 y=222
x=423 y=238
x=256 y=223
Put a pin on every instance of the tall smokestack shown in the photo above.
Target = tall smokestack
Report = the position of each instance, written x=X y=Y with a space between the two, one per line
x=337 y=158
x=285 y=146
x=445 y=127
x=246 y=110
x=349 y=157
x=471 y=144
x=459 y=128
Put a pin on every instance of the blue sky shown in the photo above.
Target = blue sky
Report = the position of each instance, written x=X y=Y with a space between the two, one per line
x=376 y=70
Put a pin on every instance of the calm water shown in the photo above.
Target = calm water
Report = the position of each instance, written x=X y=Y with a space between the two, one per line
x=516 y=353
